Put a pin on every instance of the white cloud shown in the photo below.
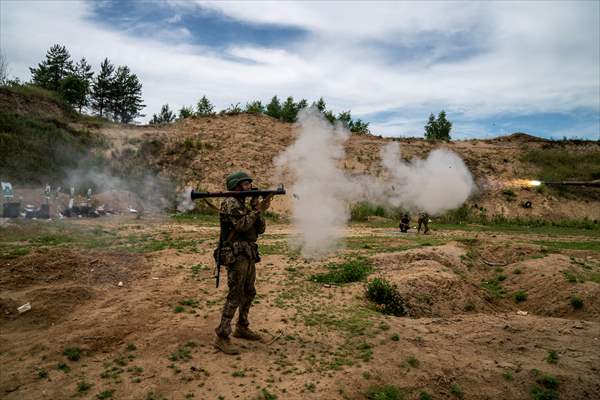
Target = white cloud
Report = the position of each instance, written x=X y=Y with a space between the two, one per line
x=530 y=57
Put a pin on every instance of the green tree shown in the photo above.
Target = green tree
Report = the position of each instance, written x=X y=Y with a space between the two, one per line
x=438 y=129
x=74 y=90
x=186 y=112
x=165 y=116
x=329 y=115
x=359 y=127
x=255 y=107
x=274 y=108
x=83 y=71
x=125 y=96
x=289 y=110
x=345 y=118
x=50 y=72
x=204 y=108
x=101 y=88
x=320 y=104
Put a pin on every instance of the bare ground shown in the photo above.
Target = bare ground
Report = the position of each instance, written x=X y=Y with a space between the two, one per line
x=320 y=341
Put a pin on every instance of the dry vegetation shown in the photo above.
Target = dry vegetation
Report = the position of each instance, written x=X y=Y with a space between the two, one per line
x=150 y=338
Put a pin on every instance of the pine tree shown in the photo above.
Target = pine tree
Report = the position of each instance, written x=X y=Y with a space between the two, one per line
x=50 y=72
x=320 y=104
x=83 y=71
x=185 y=112
x=274 y=108
x=74 y=90
x=444 y=126
x=125 y=96
x=438 y=129
x=289 y=110
x=345 y=118
x=255 y=107
x=204 y=108
x=101 y=88
x=165 y=116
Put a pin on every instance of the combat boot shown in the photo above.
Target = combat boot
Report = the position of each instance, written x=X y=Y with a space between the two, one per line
x=225 y=345
x=243 y=332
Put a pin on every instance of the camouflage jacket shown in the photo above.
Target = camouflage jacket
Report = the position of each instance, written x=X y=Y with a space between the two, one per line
x=246 y=223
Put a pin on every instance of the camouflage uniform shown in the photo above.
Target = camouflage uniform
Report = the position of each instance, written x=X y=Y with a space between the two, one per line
x=239 y=255
x=404 y=223
x=423 y=220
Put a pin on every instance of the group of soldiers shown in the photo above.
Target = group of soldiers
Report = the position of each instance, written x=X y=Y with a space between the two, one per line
x=422 y=221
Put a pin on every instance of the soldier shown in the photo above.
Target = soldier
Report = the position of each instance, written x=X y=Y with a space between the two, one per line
x=405 y=223
x=241 y=224
x=423 y=220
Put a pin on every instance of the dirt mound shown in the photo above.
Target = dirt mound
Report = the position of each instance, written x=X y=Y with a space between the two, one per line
x=69 y=266
x=431 y=281
x=504 y=254
x=518 y=137
x=550 y=283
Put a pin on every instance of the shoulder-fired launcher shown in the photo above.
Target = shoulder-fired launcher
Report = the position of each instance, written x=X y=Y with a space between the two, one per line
x=244 y=193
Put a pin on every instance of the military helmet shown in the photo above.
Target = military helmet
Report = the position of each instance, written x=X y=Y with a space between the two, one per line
x=236 y=178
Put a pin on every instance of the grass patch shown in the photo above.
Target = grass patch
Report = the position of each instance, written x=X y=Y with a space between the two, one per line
x=457 y=391
x=353 y=270
x=72 y=353
x=575 y=245
x=576 y=302
x=413 y=361
x=386 y=297
x=508 y=376
x=494 y=288
x=520 y=296
x=552 y=357
x=83 y=386
x=385 y=392
x=423 y=395
x=107 y=394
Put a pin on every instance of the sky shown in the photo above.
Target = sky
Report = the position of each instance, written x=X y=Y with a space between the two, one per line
x=494 y=67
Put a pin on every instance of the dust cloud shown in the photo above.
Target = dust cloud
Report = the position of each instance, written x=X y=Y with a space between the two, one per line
x=323 y=192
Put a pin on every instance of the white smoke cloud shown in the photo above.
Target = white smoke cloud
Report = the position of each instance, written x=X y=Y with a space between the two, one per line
x=319 y=208
x=322 y=191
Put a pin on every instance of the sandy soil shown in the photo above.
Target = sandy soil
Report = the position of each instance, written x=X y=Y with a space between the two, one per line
x=320 y=341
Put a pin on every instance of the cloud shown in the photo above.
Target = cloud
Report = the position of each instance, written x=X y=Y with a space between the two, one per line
x=475 y=60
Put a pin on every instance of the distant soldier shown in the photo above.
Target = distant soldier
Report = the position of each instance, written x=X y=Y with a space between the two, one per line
x=423 y=220
x=405 y=223
x=241 y=223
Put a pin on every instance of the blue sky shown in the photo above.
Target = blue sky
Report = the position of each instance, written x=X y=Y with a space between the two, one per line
x=495 y=67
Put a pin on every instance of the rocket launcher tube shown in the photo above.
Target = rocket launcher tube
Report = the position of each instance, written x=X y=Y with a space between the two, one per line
x=245 y=193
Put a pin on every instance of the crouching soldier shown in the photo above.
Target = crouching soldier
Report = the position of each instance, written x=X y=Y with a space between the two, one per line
x=241 y=223
x=404 y=223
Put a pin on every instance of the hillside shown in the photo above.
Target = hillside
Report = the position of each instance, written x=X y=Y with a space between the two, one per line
x=200 y=152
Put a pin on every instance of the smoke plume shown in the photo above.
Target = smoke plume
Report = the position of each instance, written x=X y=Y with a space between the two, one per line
x=323 y=192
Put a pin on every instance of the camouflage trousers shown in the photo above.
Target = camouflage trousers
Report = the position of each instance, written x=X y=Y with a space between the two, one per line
x=240 y=280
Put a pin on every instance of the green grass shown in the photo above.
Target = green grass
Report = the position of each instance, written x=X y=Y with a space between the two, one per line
x=575 y=245
x=352 y=270
x=384 y=392
x=520 y=296
x=508 y=376
x=107 y=394
x=493 y=288
x=457 y=391
x=413 y=361
x=552 y=357
x=72 y=353
x=576 y=302
x=83 y=386
x=423 y=395
x=386 y=297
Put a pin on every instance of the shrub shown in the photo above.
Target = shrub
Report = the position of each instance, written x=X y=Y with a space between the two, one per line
x=576 y=302
x=520 y=296
x=386 y=296
x=72 y=353
x=386 y=392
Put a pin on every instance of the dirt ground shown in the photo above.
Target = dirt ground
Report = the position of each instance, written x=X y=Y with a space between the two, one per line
x=133 y=303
